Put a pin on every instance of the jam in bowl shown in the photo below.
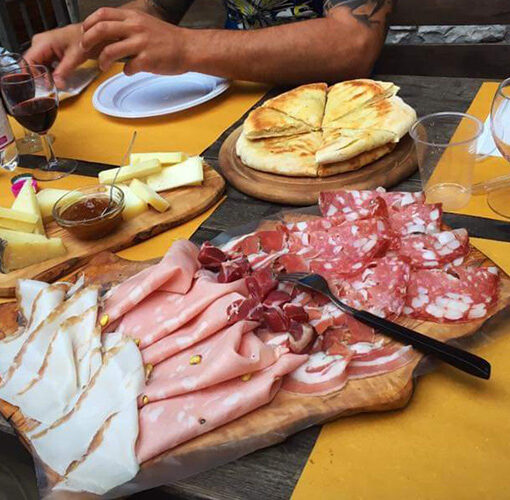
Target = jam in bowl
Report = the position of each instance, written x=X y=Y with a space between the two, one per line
x=88 y=213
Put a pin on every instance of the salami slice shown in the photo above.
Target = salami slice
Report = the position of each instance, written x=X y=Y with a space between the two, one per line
x=462 y=294
x=380 y=289
x=434 y=250
x=415 y=218
x=314 y=224
x=321 y=374
x=352 y=205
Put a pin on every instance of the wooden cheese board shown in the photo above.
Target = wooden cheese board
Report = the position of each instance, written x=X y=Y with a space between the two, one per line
x=300 y=191
x=288 y=413
x=185 y=203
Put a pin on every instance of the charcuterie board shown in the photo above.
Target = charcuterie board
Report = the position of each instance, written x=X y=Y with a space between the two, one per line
x=387 y=171
x=287 y=413
x=185 y=203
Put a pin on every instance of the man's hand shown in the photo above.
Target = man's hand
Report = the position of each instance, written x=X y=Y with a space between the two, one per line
x=150 y=44
x=61 y=46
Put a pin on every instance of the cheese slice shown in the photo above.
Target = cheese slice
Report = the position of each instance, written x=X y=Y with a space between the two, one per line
x=140 y=170
x=17 y=220
x=133 y=205
x=187 y=173
x=26 y=201
x=147 y=194
x=164 y=158
x=18 y=250
x=47 y=199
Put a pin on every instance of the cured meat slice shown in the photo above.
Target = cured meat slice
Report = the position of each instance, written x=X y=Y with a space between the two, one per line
x=380 y=289
x=324 y=317
x=233 y=270
x=111 y=461
x=314 y=224
x=372 y=359
x=293 y=263
x=211 y=320
x=249 y=308
x=434 y=250
x=174 y=273
x=261 y=283
x=45 y=302
x=230 y=353
x=165 y=424
x=115 y=387
x=211 y=257
x=321 y=374
x=26 y=293
x=301 y=336
x=162 y=313
x=461 y=294
x=416 y=218
x=352 y=205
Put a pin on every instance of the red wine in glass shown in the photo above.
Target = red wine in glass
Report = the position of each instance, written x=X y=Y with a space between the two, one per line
x=22 y=92
x=37 y=115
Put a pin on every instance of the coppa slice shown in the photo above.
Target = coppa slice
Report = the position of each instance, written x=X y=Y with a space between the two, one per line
x=305 y=103
x=434 y=250
x=267 y=122
x=231 y=353
x=165 y=424
x=464 y=294
x=380 y=289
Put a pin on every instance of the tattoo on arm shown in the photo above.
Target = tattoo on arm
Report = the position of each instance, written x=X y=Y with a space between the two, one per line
x=368 y=12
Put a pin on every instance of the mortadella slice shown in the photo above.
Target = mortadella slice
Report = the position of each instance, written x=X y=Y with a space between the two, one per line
x=163 y=312
x=231 y=353
x=213 y=319
x=174 y=273
x=168 y=423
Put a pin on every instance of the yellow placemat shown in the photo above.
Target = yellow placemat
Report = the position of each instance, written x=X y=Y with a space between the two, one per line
x=451 y=442
x=83 y=133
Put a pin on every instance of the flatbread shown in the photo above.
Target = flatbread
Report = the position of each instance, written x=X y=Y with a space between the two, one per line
x=391 y=114
x=347 y=97
x=292 y=156
x=267 y=122
x=355 y=163
x=339 y=145
x=305 y=103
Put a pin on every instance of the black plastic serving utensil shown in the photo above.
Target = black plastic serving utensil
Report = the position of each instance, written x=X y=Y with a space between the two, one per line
x=463 y=360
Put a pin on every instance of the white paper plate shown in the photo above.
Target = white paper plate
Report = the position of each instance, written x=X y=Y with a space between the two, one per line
x=144 y=94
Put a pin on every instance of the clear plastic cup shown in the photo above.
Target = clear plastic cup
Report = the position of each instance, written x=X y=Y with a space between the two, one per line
x=446 y=150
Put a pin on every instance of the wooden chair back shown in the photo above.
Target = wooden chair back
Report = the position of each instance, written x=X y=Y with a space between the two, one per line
x=477 y=60
x=22 y=19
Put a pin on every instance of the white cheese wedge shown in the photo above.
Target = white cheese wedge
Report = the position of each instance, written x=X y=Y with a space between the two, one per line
x=26 y=201
x=19 y=250
x=187 y=173
x=147 y=194
x=164 y=158
x=47 y=199
x=138 y=171
x=133 y=205
x=17 y=220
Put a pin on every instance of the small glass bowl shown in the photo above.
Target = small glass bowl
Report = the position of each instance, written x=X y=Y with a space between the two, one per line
x=86 y=227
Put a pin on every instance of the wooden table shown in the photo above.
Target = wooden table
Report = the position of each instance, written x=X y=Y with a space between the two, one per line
x=272 y=473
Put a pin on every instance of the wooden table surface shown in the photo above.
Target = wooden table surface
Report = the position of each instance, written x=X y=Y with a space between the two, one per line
x=272 y=473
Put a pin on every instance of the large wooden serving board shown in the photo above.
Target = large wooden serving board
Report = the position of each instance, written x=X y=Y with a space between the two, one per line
x=386 y=172
x=185 y=203
x=287 y=413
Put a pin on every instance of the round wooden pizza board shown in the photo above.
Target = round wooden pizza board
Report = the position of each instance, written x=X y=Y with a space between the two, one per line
x=387 y=171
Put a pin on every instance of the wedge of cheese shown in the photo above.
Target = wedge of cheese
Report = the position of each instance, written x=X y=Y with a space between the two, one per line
x=17 y=220
x=187 y=173
x=138 y=171
x=164 y=158
x=148 y=195
x=18 y=250
x=26 y=201
x=47 y=199
x=133 y=205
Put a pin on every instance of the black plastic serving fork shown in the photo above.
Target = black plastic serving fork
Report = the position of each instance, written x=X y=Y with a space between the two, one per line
x=454 y=356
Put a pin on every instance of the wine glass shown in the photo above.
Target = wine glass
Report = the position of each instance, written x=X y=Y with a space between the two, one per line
x=15 y=65
x=37 y=113
x=499 y=198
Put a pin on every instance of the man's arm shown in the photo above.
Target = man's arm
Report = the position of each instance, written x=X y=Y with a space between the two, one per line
x=344 y=44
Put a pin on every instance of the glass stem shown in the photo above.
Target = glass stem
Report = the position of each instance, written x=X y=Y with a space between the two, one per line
x=51 y=159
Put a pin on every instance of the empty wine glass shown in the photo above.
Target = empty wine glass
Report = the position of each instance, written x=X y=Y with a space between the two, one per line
x=14 y=65
x=499 y=198
x=33 y=101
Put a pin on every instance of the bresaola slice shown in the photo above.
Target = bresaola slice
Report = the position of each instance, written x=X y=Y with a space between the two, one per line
x=434 y=250
x=462 y=294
